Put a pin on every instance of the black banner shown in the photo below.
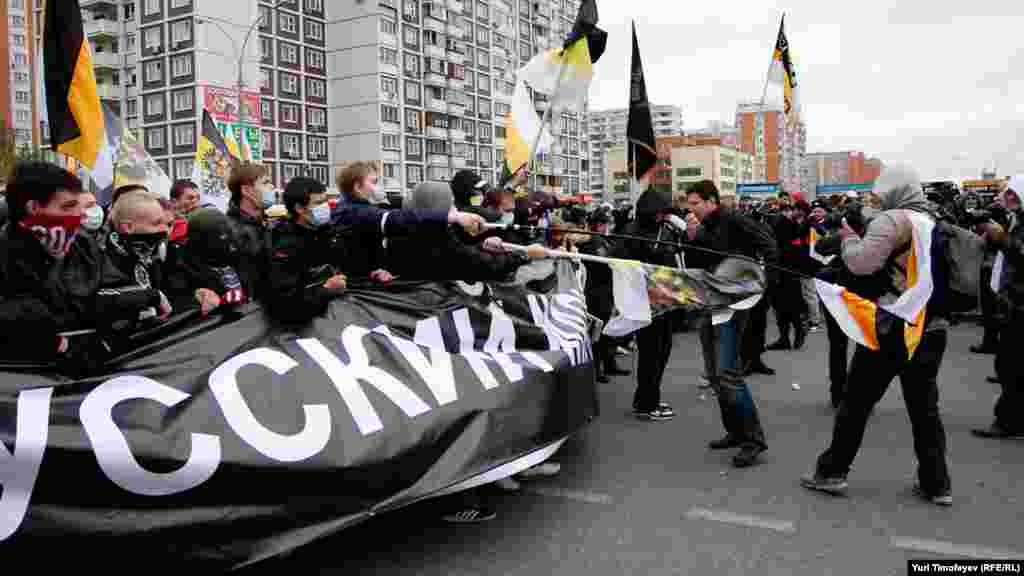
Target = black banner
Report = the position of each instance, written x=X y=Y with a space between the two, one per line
x=235 y=438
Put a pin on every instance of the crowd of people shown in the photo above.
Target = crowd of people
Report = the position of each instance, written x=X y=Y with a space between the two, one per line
x=77 y=279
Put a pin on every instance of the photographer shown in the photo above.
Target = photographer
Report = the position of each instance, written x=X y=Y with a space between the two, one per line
x=1008 y=282
x=990 y=307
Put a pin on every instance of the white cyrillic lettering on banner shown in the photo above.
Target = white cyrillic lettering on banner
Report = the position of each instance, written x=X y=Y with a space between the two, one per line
x=502 y=339
x=280 y=447
x=18 y=472
x=346 y=377
x=436 y=372
x=115 y=456
x=467 y=339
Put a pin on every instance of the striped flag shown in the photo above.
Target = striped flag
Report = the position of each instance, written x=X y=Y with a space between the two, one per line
x=783 y=72
x=564 y=75
x=77 y=127
x=213 y=164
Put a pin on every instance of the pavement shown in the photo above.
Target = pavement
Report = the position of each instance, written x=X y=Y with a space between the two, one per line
x=640 y=497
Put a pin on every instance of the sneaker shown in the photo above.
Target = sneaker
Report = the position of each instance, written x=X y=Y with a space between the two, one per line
x=834 y=485
x=662 y=406
x=747 y=456
x=995 y=431
x=943 y=499
x=724 y=443
x=658 y=414
x=470 y=516
x=703 y=382
x=508 y=484
x=547 y=469
x=812 y=328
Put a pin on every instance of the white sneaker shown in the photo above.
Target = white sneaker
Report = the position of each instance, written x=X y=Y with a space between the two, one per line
x=508 y=484
x=542 y=470
x=703 y=382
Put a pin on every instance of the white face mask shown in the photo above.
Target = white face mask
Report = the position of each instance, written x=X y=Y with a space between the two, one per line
x=92 y=218
x=379 y=196
x=320 y=215
x=508 y=218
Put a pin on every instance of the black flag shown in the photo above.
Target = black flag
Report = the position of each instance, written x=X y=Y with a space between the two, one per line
x=642 y=148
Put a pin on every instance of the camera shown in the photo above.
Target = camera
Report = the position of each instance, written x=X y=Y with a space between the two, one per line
x=994 y=213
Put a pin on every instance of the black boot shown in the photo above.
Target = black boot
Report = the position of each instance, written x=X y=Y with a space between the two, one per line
x=799 y=338
x=780 y=344
x=612 y=369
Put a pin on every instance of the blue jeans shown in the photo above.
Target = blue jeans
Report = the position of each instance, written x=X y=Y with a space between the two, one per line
x=721 y=345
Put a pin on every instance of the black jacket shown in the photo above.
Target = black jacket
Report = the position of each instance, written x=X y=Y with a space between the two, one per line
x=251 y=239
x=729 y=232
x=363 y=229
x=446 y=255
x=646 y=225
x=299 y=265
x=1012 y=282
x=598 y=291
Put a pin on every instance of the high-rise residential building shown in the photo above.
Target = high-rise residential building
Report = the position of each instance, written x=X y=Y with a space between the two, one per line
x=424 y=87
x=607 y=128
x=836 y=169
x=778 y=147
x=18 y=106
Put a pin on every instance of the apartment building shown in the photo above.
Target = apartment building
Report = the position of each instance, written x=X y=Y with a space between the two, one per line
x=18 y=106
x=424 y=87
x=833 y=169
x=607 y=129
x=778 y=148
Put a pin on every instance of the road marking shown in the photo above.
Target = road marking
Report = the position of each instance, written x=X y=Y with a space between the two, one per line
x=741 y=519
x=951 y=549
x=588 y=497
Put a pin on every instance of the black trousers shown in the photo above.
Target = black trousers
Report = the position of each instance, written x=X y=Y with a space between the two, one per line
x=721 y=347
x=870 y=375
x=1009 y=410
x=990 y=320
x=754 y=335
x=838 y=344
x=788 y=301
x=654 y=346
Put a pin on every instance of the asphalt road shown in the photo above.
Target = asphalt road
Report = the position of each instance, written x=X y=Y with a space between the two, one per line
x=648 y=498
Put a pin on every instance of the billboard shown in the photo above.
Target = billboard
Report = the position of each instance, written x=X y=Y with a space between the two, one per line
x=222 y=103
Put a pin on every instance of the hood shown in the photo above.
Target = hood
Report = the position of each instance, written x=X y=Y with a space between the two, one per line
x=1015 y=185
x=465 y=185
x=649 y=204
x=432 y=196
x=899 y=188
x=210 y=236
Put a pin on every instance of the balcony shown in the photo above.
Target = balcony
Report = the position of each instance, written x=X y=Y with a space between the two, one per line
x=91 y=4
x=391 y=69
x=109 y=91
x=455 y=31
x=435 y=22
x=101 y=28
x=391 y=156
x=438 y=160
x=392 y=184
x=106 y=60
x=456 y=108
x=435 y=132
x=435 y=51
x=455 y=57
x=456 y=84
x=389 y=40
x=434 y=79
x=458 y=162
x=455 y=6
x=499 y=142
x=391 y=97
x=437 y=105
x=457 y=135
x=391 y=127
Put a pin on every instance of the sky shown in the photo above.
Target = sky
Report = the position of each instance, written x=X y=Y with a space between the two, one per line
x=935 y=84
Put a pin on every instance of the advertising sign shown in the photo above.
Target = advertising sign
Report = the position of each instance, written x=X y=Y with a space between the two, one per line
x=222 y=103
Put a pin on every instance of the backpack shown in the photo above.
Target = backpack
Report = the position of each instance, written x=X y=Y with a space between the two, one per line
x=961 y=253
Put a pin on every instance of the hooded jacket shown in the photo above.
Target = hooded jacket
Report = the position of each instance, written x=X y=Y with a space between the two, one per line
x=1009 y=278
x=646 y=225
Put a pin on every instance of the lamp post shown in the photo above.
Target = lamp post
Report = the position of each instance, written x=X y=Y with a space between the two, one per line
x=240 y=82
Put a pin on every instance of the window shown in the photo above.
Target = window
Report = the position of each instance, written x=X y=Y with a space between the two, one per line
x=184 y=135
x=485 y=109
x=485 y=155
x=411 y=10
x=130 y=42
x=316 y=88
x=21 y=78
x=413 y=148
x=483 y=84
x=389 y=113
x=388 y=56
x=317 y=148
x=289 y=54
x=181 y=65
x=265 y=18
x=456 y=71
x=388 y=26
x=23 y=116
x=183 y=101
x=391 y=171
x=470 y=80
x=469 y=54
x=438 y=147
x=267 y=111
x=289 y=83
x=483 y=35
x=180 y=3
x=501 y=109
x=155 y=138
x=181 y=32
x=17 y=21
x=268 y=141
x=266 y=49
x=690 y=172
x=317 y=117
x=289 y=113
x=151 y=38
x=152 y=7
x=183 y=167
x=412 y=122
x=129 y=11
x=412 y=93
x=412 y=65
x=391 y=142
x=18 y=4
x=483 y=59
x=154 y=105
x=481 y=11
x=314 y=59
x=290 y=171
x=437 y=120
x=286 y=23
x=265 y=79
x=412 y=38
x=314 y=30
x=314 y=5
x=154 y=71
x=133 y=107
x=413 y=175
x=485 y=132
x=291 y=145
x=20 y=60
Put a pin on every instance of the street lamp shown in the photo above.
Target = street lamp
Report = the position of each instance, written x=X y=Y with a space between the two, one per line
x=241 y=58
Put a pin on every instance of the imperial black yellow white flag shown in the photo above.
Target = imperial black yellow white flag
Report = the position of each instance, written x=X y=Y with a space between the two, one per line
x=783 y=72
x=77 y=127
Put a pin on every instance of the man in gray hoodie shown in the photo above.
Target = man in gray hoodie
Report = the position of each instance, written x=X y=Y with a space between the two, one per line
x=886 y=244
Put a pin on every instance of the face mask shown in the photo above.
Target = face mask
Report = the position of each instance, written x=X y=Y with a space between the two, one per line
x=92 y=219
x=144 y=245
x=320 y=215
x=508 y=218
x=56 y=233
x=379 y=197
x=268 y=199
